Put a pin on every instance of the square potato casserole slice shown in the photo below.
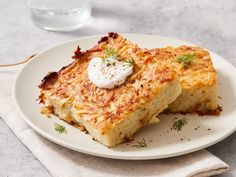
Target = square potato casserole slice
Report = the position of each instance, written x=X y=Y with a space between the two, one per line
x=111 y=116
x=197 y=76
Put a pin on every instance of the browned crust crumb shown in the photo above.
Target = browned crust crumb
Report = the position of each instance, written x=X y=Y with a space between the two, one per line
x=77 y=53
x=48 y=80
x=46 y=110
x=106 y=38
x=128 y=139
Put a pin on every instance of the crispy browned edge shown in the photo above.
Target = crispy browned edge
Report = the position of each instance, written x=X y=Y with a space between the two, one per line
x=215 y=112
x=51 y=77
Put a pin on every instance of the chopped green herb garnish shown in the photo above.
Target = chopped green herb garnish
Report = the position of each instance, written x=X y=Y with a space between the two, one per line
x=186 y=59
x=140 y=144
x=110 y=52
x=129 y=62
x=178 y=124
x=107 y=60
x=60 y=128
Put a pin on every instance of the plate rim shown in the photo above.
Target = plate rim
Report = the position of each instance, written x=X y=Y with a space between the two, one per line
x=94 y=153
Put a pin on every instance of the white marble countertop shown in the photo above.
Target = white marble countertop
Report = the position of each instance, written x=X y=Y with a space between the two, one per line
x=210 y=24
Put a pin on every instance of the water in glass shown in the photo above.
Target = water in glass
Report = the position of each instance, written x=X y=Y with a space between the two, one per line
x=59 y=15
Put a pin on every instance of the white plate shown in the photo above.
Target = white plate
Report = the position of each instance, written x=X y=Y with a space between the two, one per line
x=161 y=142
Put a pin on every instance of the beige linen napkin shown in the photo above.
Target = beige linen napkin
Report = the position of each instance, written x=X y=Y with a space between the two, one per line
x=62 y=162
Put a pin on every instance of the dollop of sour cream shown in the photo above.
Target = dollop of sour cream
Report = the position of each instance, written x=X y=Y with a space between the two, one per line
x=109 y=72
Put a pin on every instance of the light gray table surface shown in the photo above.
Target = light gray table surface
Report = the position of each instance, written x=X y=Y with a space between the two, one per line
x=208 y=23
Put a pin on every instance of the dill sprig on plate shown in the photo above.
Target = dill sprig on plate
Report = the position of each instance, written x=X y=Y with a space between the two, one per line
x=178 y=124
x=186 y=59
x=60 y=128
x=140 y=144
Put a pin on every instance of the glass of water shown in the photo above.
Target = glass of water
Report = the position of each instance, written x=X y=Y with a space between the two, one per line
x=59 y=15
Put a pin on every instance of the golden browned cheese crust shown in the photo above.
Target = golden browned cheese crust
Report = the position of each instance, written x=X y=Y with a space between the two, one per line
x=200 y=72
x=198 y=78
x=104 y=108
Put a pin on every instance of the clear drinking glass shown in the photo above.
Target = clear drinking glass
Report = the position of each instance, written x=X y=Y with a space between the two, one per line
x=59 y=15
